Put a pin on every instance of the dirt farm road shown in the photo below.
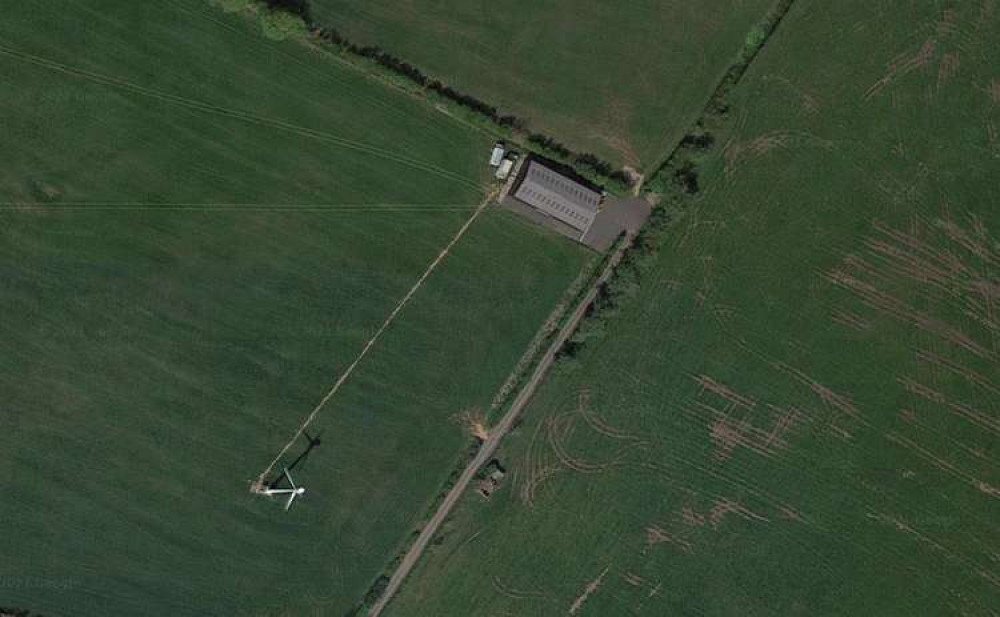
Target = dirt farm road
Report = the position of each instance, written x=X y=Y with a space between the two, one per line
x=496 y=435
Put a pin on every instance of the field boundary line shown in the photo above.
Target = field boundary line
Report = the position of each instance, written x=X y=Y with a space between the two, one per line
x=211 y=108
x=259 y=483
x=731 y=77
x=233 y=207
x=496 y=434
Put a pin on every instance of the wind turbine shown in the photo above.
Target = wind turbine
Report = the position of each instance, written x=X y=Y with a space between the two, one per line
x=292 y=492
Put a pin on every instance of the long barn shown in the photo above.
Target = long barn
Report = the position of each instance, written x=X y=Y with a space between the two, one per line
x=559 y=197
x=572 y=209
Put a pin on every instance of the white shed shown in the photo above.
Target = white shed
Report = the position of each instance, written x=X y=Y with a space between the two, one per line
x=497 y=156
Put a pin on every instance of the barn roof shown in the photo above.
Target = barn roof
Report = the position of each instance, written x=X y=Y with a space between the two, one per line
x=558 y=196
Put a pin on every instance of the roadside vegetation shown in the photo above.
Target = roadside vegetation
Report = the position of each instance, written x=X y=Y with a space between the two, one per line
x=281 y=20
x=788 y=405
x=620 y=82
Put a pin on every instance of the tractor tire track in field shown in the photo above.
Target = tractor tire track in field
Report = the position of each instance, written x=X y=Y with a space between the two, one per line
x=236 y=114
x=497 y=433
x=261 y=479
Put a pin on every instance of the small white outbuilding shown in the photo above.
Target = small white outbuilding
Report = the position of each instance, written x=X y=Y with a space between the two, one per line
x=497 y=156
x=505 y=166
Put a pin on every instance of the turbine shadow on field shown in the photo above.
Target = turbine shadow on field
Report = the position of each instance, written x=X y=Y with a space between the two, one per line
x=313 y=442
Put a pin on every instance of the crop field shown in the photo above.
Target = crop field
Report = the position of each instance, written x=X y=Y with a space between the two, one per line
x=798 y=411
x=621 y=81
x=199 y=230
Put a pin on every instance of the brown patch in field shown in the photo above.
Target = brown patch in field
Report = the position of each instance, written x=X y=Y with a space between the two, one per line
x=948 y=68
x=839 y=404
x=810 y=103
x=474 y=421
x=962 y=237
x=656 y=535
x=619 y=114
x=902 y=65
x=899 y=149
x=947 y=24
x=789 y=513
x=935 y=269
x=785 y=419
x=50 y=192
x=727 y=435
x=692 y=518
x=901 y=525
x=724 y=507
x=732 y=154
x=851 y=320
x=736 y=153
x=883 y=301
x=633 y=579
x=728 y=430
x=943 y=464
x=966 y=373
x=986 y=10
x=766 y=143
x=734 y=399
x=995 y=91
x=974 y=416
x=588 y=591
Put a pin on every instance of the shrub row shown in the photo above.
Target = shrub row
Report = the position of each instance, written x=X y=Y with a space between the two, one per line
x=511 y=126
x=17 y=612
x=283 y=19
x=680 y=168
x=674 y=185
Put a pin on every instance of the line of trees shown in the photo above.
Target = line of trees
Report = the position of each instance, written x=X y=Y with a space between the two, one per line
x=282 y=19
x=681 y=167
x=17 y=612
x=517 y=126
x=676 y=186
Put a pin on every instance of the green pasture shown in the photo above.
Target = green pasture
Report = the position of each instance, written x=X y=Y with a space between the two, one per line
x=623 y=81
x=199 y=229
x=798 y=412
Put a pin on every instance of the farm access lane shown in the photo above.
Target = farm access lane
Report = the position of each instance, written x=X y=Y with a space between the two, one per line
x=496 y=434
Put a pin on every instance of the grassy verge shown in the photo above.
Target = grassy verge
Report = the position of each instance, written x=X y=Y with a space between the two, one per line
x=674 y=187
x=547 y=333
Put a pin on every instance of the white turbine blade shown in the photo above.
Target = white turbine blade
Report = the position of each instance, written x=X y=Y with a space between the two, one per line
x=289 y=476
x=291 y=498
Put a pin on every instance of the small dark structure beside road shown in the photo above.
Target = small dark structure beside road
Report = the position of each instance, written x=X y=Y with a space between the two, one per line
x=490 y=478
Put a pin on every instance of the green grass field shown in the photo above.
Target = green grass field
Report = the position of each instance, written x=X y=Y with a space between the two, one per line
x=798 y=413
x=624 y=82
x=199 y=229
